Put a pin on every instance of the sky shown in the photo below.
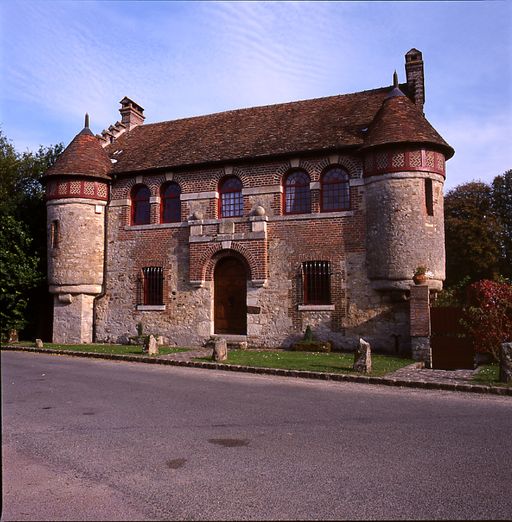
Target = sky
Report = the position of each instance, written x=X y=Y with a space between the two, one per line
x=61 y=59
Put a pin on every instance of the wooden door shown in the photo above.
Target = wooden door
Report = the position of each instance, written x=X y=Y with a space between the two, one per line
x=230 y=297
x=452 y=347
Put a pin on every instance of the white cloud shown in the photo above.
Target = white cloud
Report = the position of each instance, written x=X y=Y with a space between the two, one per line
x=482 y=148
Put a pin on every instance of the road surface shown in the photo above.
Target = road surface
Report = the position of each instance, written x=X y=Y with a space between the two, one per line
x=86 y=439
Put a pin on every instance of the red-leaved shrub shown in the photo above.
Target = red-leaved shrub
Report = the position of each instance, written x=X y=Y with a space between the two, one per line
x=488 y=317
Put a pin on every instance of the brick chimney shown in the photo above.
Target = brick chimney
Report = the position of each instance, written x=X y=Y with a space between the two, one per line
x=132 y=114
x=415 y=77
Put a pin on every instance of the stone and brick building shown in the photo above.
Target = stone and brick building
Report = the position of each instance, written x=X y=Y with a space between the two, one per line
x=251 y=224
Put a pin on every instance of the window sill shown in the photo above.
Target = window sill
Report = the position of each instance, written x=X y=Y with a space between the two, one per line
x=151 y=308
x=316 y=308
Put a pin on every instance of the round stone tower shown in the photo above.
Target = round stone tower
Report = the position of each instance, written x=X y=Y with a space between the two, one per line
x=404 y=172
x=77 y=189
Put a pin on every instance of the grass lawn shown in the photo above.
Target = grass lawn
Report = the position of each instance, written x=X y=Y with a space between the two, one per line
x=122 y=349
x=313 y=362
x=489 y=375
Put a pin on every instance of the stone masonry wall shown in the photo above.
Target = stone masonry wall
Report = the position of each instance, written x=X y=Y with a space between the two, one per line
x=276 y=314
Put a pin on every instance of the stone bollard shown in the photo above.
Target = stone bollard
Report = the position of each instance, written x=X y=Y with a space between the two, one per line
x=220 y=350
x=152 y=346
x=506 y=363
x=39 y=343
x=363 y=357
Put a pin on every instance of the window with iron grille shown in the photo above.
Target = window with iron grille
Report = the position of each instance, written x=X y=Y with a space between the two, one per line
x=150 y=289
x=335 y=190
x=170 y=203
x=141 y=209
x=297 y=193
x=316 y=282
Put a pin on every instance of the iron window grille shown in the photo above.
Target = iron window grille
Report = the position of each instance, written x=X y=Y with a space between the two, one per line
x=170 y=203
x=335 y=190
x=297 y=193
x=231 y=200
x=150 y=288
x=141 y=208
x=316 y=282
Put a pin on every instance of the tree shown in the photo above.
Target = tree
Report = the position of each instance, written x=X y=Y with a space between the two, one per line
x=19 y=273
x=472 y=232
x=23 y=218
x=502 y=206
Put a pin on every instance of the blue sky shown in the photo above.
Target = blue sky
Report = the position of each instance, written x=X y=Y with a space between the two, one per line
x=60 y=59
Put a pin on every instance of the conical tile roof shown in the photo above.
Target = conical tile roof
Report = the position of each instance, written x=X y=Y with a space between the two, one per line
x=84 y=156
x=399 y=121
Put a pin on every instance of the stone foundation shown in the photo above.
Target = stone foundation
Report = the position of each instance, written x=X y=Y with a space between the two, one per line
x=72 y=318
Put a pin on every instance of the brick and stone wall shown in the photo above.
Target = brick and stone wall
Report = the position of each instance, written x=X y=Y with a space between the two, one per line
x=273 y=245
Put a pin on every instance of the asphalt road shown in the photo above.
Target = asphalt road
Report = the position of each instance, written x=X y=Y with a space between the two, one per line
x=87 y=439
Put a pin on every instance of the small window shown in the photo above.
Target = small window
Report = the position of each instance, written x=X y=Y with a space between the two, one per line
x=54 y=234
x=429 y=197
x=316 y=281
x=170 y=203
x=231 y=201
x=150 y=288
x=335 y=190
x=297 y=193
x=141 y=208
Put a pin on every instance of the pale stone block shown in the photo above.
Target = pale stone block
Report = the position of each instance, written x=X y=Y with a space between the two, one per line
x=152 y=346
x=363 y=357
x=294 y=163
x=196 y=230
x=259 y=226
x=39 y=343
x=220 y=350
x=506 y=363
x=226 y=227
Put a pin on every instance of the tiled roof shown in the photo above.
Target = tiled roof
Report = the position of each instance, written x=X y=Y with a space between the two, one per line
x=84 y=156
x=399 y=121
x=312 y=125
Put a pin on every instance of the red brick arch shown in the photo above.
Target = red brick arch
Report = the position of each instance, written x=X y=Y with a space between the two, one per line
x=205 y=257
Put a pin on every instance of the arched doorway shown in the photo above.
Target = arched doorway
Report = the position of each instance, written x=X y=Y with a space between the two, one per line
x=230 y=297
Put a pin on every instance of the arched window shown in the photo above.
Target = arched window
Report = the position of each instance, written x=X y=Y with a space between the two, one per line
x=141 y=209
x=231 y=202
x=335 y=190
x=170 y=203
x=297 y=194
